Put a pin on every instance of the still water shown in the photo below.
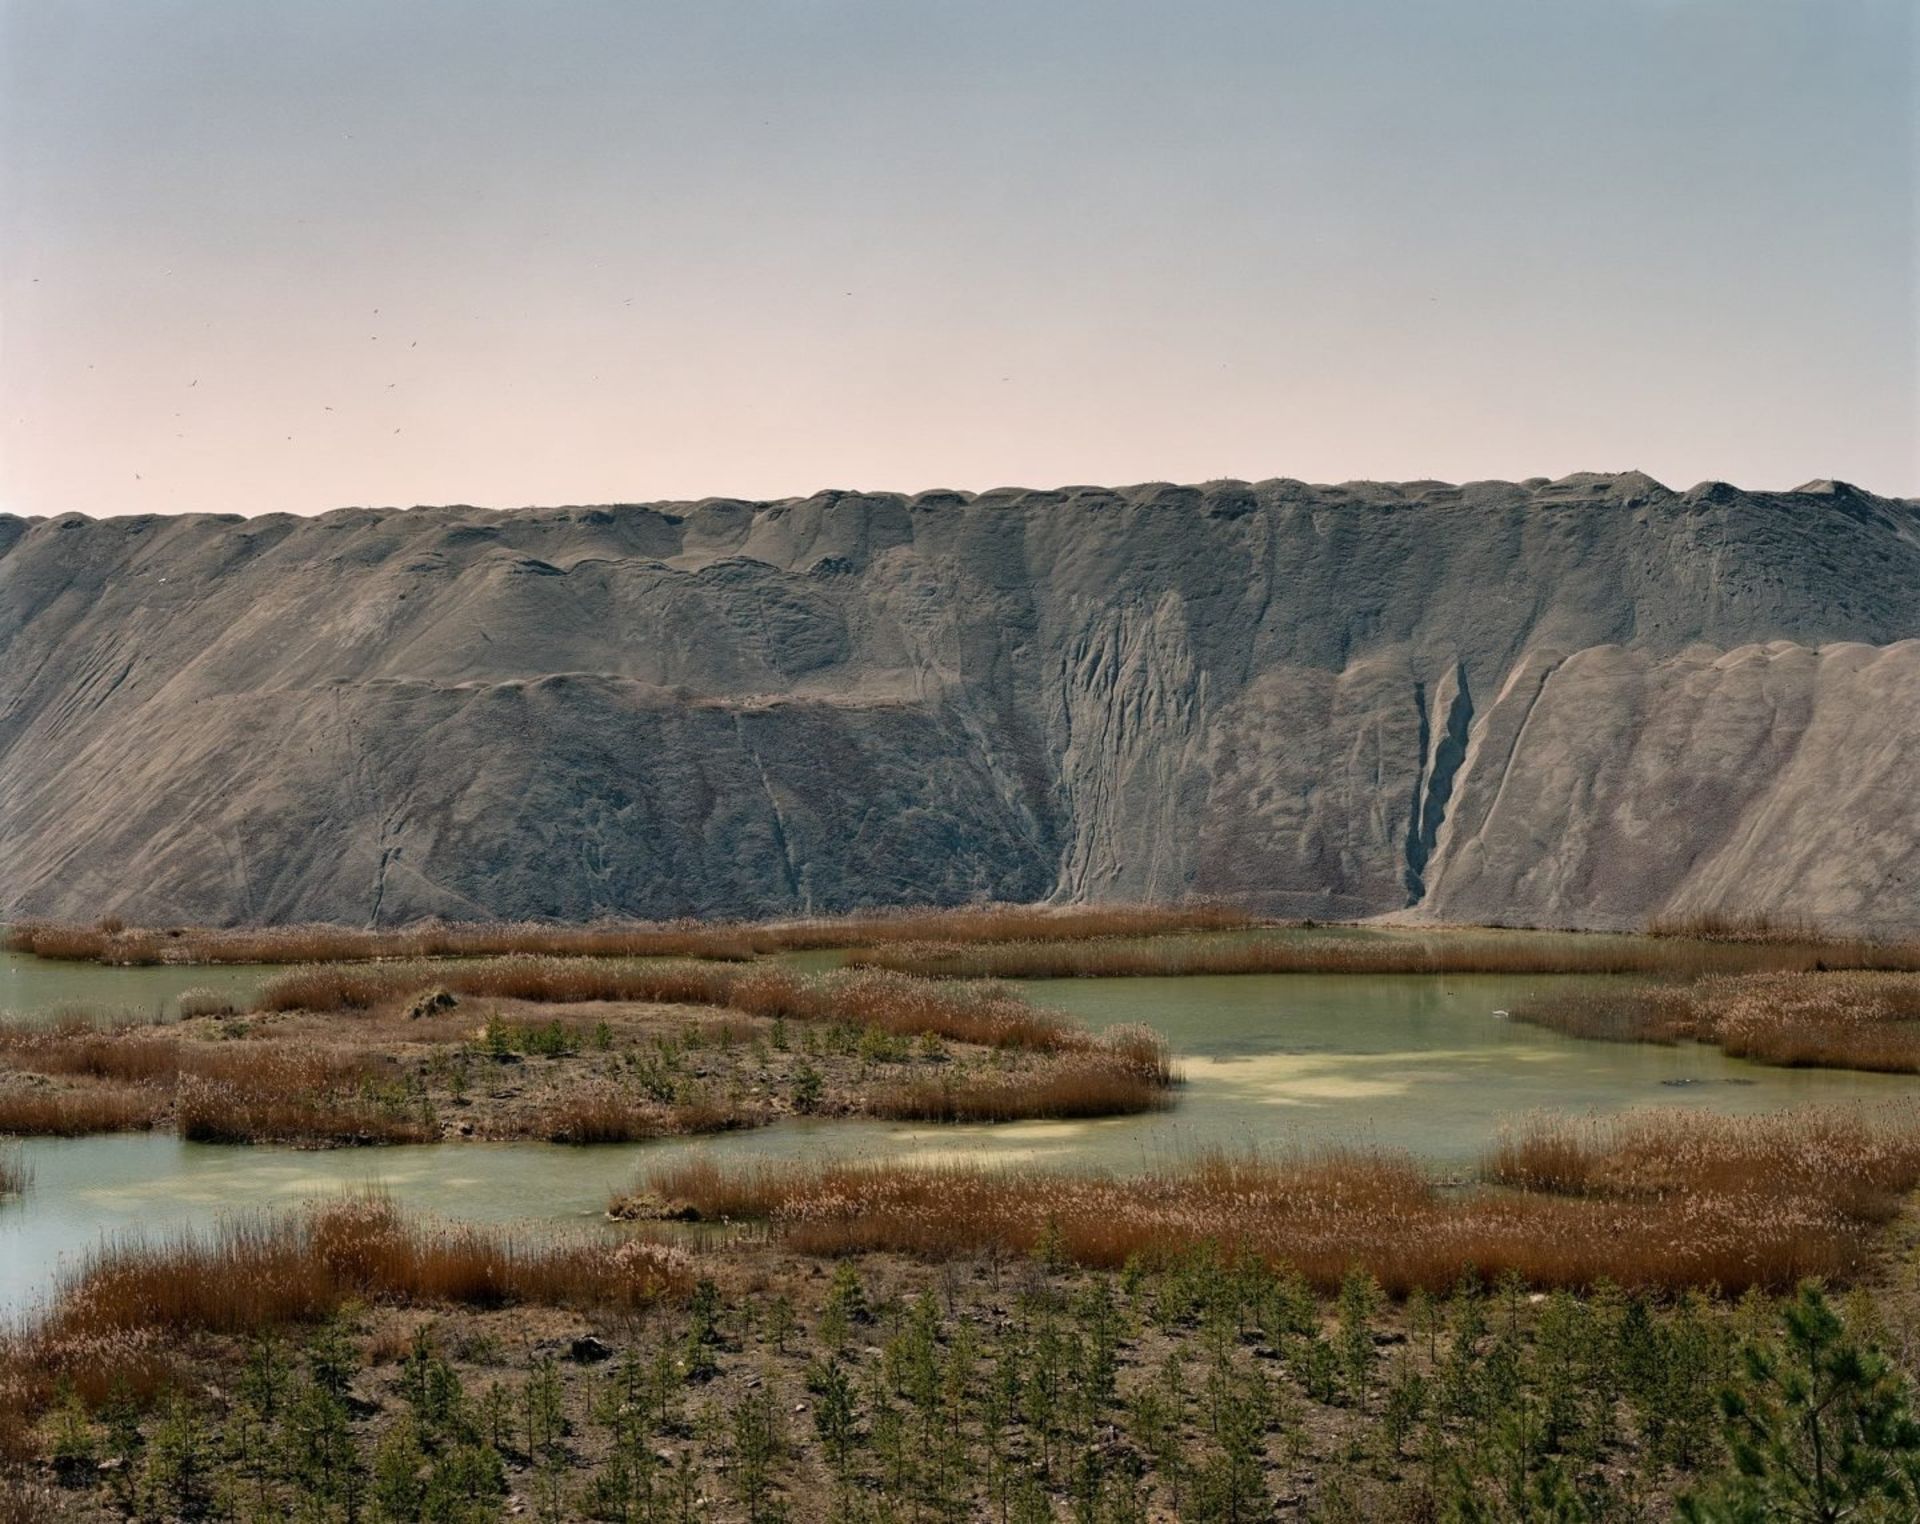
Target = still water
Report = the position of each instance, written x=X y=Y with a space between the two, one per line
x=34 y=989
x=1271 y=1061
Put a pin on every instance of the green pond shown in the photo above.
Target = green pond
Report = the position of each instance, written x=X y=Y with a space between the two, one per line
x=1271 y=1061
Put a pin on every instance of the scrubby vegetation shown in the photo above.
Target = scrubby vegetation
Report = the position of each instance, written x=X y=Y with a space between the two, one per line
x=1452 y=952
x=110 y=941
x=1836 y=1020
x=1660 y=1199
x=368 y=1378
x=423 y=1065
x=897 y=1003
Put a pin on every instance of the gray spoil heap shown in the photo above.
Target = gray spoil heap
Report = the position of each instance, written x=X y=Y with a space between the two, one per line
x=1578 y=702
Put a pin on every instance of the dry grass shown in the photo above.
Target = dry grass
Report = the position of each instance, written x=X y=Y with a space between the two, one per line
x=111 y=942
x=893 y=1002
x=48 y=1113
x=253 y=1092
x=15 y=1177
x=1091 y=1085
x=209 y=1113
x=1706 y=1222
x=1005 y=923
x=1129 y=1070
x=1443 y=953
x=121 y=1315
x=107 y=943
x=1861 y=1165
x=1850 y=1020
x=282 y=1093
x=607 y=1116
x=82 y=1050
x=205 y=1002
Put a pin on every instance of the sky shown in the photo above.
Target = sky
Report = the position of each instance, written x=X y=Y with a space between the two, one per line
x=315 y=253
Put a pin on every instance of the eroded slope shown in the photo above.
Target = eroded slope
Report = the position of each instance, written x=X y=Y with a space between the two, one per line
x=1574 y=702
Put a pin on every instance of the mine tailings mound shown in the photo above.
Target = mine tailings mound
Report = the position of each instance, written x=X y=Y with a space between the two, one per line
x=1574 y=702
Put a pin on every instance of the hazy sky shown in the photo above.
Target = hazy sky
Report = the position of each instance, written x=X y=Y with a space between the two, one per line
x=294 y=254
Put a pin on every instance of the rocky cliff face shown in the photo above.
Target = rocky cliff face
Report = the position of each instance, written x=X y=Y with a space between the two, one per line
x=1572 y=702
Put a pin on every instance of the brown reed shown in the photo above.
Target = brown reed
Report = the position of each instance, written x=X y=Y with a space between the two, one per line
x=896 y=1003
x=1860 y=1163
x=1717 y=1220
x=49 y=1113
x=607 y=1116
x=1392 y=953
x=1836 y=1020
x=133 y=1056
x=253 y=1092
x=1079 y=1086
x=120 y=1316
x=111 y=942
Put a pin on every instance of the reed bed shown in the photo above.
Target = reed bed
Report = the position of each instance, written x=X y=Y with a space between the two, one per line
x=49 y=1113
x=1092 y=1085
x=893 y=1002
x=111 y=942
x=1861 y=1164
x=1448 y=953
x=217 y=1093
x=281 y=1093
x=81 y=1050
x=121 y=1315
x=15 y=1177
x=1666 y=1203
x=1005 y=923
x=1836 y=1020
x=1129 y=1070
x=204 y=1112
x=607 y=1116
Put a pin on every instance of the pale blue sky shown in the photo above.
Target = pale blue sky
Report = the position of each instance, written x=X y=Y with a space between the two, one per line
x=590 y=250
